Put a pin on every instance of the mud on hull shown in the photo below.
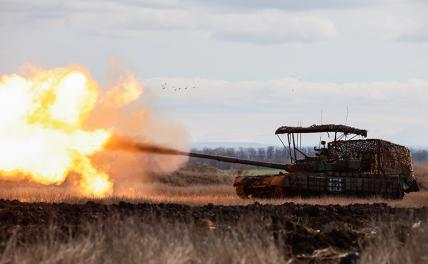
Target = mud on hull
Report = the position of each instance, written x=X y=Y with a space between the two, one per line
x=318 y=184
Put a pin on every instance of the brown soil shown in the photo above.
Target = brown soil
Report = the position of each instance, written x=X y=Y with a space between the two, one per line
x=309 y=232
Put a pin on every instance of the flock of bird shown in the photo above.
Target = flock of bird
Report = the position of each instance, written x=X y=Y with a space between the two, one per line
x=175 y=88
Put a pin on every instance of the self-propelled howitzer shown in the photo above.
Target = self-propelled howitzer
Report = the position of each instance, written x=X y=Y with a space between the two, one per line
x=346 y=167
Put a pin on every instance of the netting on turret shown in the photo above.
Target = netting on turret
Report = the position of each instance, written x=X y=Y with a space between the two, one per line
x=381 y=157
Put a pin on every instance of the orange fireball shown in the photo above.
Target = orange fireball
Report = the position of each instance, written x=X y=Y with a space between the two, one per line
x=41 y=135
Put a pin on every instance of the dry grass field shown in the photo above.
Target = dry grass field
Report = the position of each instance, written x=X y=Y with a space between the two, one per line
x=194 y=216
x=173 y=233
x=197 y=184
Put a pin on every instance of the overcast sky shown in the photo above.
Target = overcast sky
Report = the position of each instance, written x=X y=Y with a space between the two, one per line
x=249 y=66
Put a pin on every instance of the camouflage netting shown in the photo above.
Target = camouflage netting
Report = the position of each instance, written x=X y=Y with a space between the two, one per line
x=322 y=128
x=383 y=158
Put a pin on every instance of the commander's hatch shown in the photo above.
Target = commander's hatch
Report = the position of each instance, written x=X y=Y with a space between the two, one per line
x=293 y=137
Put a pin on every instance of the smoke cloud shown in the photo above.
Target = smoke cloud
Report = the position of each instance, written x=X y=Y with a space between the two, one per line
x=130 y=112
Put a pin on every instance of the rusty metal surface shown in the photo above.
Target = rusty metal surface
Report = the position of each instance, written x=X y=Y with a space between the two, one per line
x=368 y=167
x=275 y=186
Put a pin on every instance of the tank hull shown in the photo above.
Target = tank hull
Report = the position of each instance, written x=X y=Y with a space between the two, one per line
x=319 y=184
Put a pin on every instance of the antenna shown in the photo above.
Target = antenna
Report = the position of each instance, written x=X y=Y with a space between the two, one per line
x=321 y=116
x=319 y=145
x=347 y=114
x=297 y=139
x=300 y=136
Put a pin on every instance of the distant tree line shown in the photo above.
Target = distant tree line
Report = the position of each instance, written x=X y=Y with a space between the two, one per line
x=269 y=154
x=419 y=154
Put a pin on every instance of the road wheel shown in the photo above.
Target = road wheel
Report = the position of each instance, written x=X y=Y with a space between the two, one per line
x=398 y=195
x=277 y=192
x=240 y=191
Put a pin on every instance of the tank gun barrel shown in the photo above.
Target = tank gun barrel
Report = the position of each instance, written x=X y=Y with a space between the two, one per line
x=122 y=144
x=236 y=160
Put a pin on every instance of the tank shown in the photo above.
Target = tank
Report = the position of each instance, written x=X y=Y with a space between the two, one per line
x=348 y=165
x=345 y=166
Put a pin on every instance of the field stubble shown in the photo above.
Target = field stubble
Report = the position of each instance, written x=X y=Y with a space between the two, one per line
x=164 y=222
